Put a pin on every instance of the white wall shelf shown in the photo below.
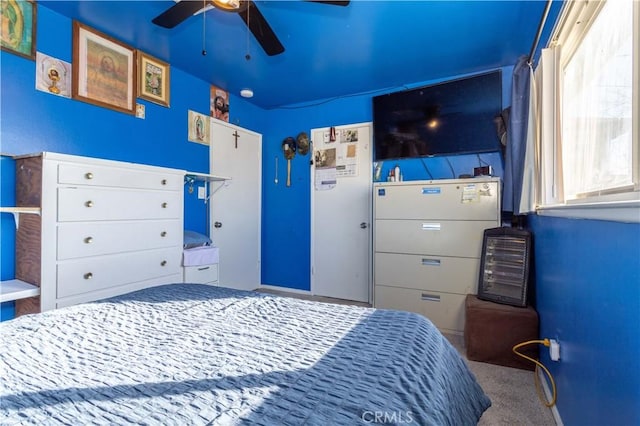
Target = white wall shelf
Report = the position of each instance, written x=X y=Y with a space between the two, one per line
x=193 y=177
x=17 y=211
x=16 y=289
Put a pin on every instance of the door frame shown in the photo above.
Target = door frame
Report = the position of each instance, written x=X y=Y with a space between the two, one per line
x=369 y=169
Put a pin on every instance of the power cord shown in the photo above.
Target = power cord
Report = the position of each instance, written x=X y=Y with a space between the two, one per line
x=547 y=343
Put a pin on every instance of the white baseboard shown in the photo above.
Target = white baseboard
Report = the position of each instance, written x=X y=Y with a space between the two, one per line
x=287 y=289
x=548 y=395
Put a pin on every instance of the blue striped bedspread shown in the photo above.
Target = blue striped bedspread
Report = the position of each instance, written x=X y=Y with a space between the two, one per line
x=191 y=354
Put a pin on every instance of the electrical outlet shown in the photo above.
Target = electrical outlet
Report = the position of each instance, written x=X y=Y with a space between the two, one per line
x=554 y=350
x=201 y=193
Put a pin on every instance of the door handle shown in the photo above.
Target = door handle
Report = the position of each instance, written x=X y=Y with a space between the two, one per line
x=363 y=225
x=217 y=224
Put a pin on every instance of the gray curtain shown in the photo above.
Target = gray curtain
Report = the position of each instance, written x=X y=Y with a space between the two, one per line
x=516 y=136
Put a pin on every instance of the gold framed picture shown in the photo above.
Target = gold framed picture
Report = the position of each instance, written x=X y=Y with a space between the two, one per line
x=153 y=79
x=104 y=70
x=18 y=33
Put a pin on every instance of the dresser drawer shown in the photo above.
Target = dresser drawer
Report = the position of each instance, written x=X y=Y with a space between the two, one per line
x=82 y=204
x=431 y=237
x=465 y=200
x=445 y=310
x=203 y=274
x=83 y=239
x=437 y=273
x=79 y=276
x=94 y=175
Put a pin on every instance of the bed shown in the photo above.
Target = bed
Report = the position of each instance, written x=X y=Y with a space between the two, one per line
x=191 y=354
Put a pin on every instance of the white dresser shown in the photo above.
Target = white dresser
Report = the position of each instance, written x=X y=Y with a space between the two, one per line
x=427 y=244
x=105 y=228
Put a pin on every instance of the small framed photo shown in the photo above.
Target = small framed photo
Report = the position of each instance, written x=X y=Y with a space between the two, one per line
x=103 y=71
x=153 y=79
x=18 y=33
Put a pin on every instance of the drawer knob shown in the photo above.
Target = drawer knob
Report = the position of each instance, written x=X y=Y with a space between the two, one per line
x=164 y=205
x=164 y=181
x=89 y=203
x=88 y=175
x=163 y=263
x=88 y=240
x=88 y=276
x=163 y=234
x=204 y=268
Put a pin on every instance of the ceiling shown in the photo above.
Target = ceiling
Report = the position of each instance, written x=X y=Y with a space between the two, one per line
x=330 y=51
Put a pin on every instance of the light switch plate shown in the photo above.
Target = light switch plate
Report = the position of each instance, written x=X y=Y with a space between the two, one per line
x=201 y=193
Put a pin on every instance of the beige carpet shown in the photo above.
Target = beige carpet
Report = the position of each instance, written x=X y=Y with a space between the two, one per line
x=512 y=391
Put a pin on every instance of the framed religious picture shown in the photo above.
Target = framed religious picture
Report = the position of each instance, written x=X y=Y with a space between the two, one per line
x=198 y=129
x=18 y=33
x=219 y=104
x=153 y=79
x=104 y=70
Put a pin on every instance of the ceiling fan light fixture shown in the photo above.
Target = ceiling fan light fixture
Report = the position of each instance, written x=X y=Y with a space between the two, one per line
x=228 y=5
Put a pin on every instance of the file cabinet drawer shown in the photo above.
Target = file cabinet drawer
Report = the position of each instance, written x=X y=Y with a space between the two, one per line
x=431 y=237
x=431 y=273
x=445 y=310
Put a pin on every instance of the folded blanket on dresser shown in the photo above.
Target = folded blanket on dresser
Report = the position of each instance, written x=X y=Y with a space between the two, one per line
x=188 y=354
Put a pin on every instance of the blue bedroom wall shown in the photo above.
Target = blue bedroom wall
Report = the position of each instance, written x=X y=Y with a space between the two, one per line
x=286 y=227
x=588 y=297
x=33 y=121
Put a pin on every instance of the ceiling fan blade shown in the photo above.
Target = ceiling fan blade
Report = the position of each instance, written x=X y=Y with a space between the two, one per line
x=333 y=3
x=178 y=13
x=261 y=29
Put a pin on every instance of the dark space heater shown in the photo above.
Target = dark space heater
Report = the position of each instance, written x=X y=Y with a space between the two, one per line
x=504 y=266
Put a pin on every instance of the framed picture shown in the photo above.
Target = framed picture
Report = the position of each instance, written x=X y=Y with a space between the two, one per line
x=198 y=130
x=153 y=79
x=219 y=103
x=18 y=33
x=104 y=70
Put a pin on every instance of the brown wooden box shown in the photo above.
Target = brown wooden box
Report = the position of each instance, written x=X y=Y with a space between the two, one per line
x=493 y=329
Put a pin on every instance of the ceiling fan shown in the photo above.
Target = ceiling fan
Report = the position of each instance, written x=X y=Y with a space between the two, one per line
x=247 y=10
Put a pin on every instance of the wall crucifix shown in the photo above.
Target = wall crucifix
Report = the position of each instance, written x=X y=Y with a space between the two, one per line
x=236 y=135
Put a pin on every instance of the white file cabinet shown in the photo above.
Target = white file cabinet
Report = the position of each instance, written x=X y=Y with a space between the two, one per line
x=427 y=242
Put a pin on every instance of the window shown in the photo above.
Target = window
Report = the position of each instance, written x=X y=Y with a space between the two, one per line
x=594 y=144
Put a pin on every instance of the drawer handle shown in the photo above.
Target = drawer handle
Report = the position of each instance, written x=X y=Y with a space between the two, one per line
x=431 y=297
x=204 y=269
x=164 y=205
x=430 y=226
x=88 y=276
x=88 y=240
x=88 y=175
x=164 y=181
x=89 y=203
x=163 y=263
x=163 y=234
x=430 y=262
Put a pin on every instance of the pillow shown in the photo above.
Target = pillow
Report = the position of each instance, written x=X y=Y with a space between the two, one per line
x=195 y=239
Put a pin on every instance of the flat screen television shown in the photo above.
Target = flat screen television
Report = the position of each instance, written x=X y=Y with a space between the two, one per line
x=449 y=118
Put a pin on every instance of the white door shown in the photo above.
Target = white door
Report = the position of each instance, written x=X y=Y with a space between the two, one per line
x=341 y=212
x=236 y=205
